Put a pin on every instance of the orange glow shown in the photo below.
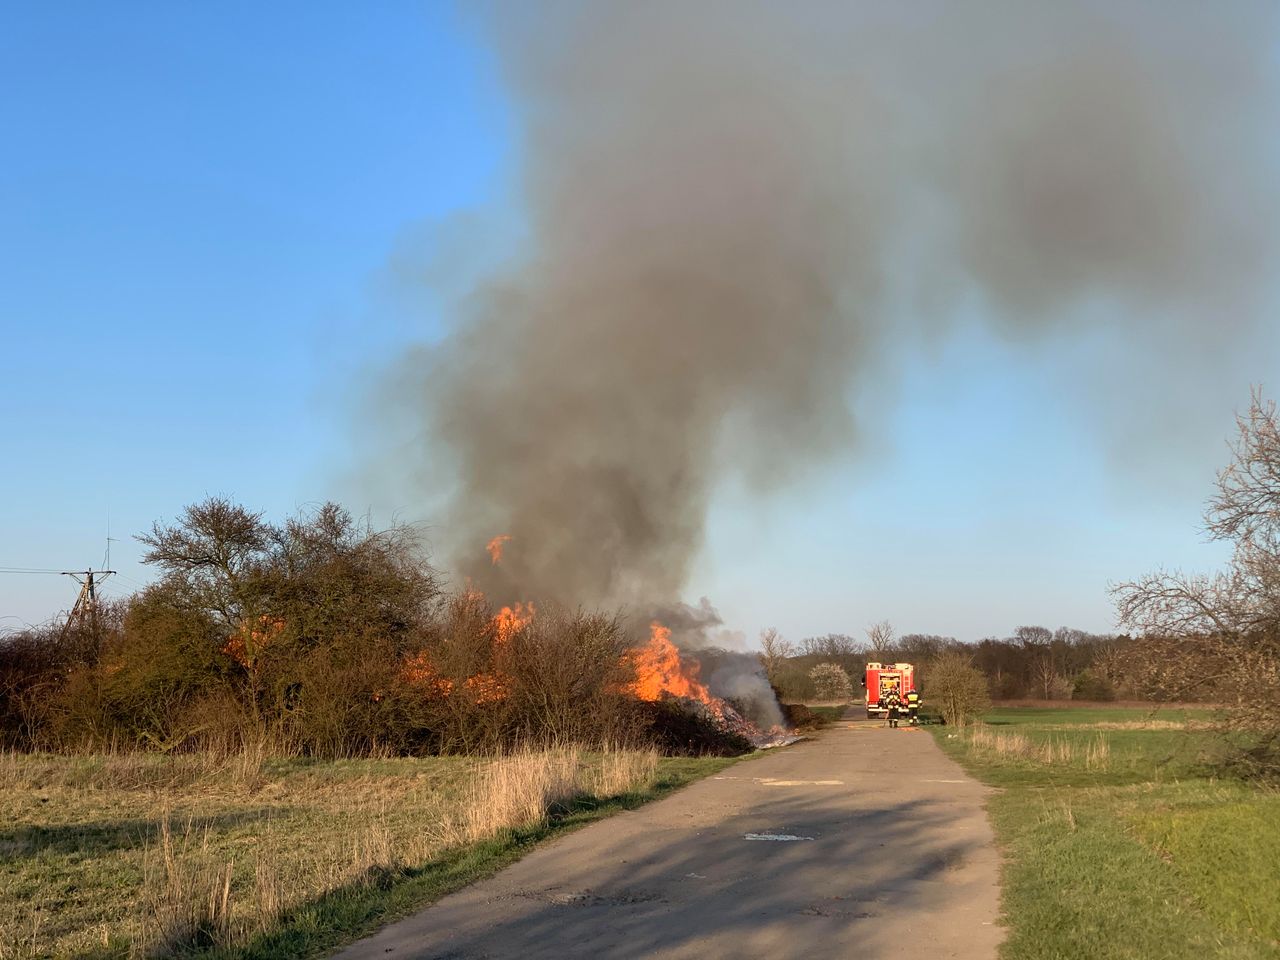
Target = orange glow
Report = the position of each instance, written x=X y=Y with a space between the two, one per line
x=495 y=547
x=510 y=620
x=419 y=672
x=487 y=687
x=660 y=671
x=242 y=653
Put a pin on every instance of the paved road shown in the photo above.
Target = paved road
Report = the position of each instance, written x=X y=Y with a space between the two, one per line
x=894 y=850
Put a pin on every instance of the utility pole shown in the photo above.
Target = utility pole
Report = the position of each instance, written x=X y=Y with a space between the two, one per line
x=86 y=607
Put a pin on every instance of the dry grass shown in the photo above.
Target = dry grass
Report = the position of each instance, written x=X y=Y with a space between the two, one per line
x=136 y=855
x=518 y=790
x=1091 y=753
x=1131 y=725
x=619 y=771
x=131 y=770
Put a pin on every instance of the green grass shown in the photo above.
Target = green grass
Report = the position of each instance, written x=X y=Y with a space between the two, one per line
x=830 y=712
x=1126 y=845
x=320 y=853
x=1224 y=846
x=1079 y=716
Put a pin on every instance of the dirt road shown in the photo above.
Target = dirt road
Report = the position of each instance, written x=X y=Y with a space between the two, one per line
x=801 y=853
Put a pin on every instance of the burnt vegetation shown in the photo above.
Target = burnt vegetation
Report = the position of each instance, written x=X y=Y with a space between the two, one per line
x=322 y=636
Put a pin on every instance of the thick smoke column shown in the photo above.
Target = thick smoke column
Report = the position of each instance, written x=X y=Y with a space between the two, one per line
x=733 y=208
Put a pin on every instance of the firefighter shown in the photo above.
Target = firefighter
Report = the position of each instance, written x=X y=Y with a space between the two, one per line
x=913 y=708
x=893 y=703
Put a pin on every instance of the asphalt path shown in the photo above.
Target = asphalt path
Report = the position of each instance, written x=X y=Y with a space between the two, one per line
x=863 y=841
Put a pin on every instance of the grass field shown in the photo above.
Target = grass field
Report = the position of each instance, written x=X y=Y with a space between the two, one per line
x=138 y=855
x=1119 y=840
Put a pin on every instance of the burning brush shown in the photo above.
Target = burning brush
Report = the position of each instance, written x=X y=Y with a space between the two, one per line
x=661 y=674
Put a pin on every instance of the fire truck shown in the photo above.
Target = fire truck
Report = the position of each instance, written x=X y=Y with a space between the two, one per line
x=883 y=677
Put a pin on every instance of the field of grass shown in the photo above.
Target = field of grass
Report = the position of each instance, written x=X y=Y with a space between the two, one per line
x=1119 y=840
x=138 y=855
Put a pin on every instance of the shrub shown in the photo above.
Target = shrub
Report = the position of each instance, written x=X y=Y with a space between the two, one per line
x=830 y=682
x=1090 y=686
x=799 y=717
x=957 y=689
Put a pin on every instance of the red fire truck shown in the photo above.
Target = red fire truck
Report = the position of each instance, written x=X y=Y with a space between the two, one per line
x=883 y=677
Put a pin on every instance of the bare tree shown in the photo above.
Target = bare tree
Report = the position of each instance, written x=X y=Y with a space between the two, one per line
x=1037 y=643
x=880 y=640
x=1033 y=636
x=922 y=647
x=1225 y=629
x=775 y=650
x=830 y=645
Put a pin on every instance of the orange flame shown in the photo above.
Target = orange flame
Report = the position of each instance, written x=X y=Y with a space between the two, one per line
x=495 y=547
x=660 y=671
x=487 y=687
x=419 y=672
x=510 y=620
x=241 y=652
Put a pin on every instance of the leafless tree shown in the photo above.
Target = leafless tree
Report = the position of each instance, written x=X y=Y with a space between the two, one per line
x=1032 y=636
x=922 y=647
x=880 y=640
x=1224 y=629
x=830 y=645
x=774 y=652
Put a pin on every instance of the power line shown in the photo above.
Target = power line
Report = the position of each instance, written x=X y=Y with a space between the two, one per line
x=86 y=607
x=27 y=570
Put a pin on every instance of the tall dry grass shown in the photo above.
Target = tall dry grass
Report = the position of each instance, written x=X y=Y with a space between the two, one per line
x=621 y=770
x=1093 y=753
x=202 y=887
x=186 y=898
x=137 y=770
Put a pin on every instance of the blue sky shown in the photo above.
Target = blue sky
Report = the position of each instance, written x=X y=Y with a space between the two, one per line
x=200 y=209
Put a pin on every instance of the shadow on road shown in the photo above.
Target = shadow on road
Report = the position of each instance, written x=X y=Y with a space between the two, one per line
x=856 y=868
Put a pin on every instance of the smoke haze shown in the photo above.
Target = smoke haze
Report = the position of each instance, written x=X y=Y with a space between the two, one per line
x=734 y=209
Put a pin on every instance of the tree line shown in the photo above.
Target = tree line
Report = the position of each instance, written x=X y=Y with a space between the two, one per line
x=1034 y=662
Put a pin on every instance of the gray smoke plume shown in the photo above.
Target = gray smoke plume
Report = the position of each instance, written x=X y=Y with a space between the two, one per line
x=733 y=208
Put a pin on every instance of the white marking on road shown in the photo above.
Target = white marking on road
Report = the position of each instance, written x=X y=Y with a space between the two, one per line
x=770 y=782
x=944 y=781
x=774 y=836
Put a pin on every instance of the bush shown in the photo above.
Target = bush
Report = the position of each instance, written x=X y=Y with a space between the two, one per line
x=957 y=689
x=800 y=718
x=1090 y=686
x=325 y=637
x=677 y=731
x=830 y=682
